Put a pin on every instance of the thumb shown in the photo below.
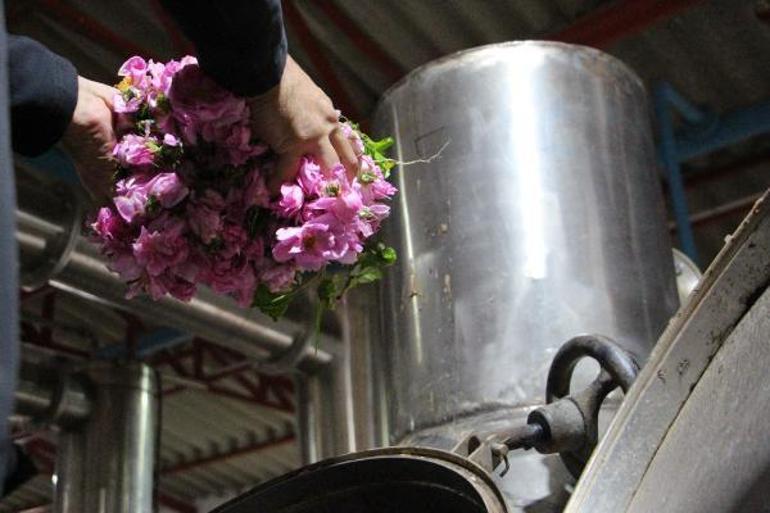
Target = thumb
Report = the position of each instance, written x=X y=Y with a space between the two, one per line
x=286 y=168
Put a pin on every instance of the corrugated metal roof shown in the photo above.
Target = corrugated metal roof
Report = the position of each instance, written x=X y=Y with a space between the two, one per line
x=715 y=53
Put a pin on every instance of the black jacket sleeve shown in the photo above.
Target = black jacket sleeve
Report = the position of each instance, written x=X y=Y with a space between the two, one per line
x=44 y=91
x=240 y=43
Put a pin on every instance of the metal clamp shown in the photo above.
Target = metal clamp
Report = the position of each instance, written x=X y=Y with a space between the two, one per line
x=570 y=422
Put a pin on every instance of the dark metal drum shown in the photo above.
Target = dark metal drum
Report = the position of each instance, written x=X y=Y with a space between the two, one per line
x=403 y=480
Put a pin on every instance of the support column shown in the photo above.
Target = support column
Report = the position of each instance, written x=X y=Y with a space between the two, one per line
x=107 y=464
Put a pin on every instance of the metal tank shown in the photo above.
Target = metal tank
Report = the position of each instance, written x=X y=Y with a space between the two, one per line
x=529 y=212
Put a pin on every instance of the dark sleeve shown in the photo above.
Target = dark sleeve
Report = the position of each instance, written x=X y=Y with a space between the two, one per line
x=19 y=469
x=44 y=91
x=240 y=43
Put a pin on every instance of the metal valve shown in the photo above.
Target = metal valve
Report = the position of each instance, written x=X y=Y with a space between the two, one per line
x=568 y=423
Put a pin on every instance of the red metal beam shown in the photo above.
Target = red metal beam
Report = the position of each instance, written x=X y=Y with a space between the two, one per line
x=235 y=453
x=92 y=28
x=181 y=44
x=314 y=50
x=43 y=508
x=48 y=311
x=605 y=26
x=27 y=296
x=31 y=336
x=257 y=393
x=697 y=178
x=361 y=40
x=176 y=503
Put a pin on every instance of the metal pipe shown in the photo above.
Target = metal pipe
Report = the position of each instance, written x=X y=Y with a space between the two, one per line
x=46 y=396
x=326 y=409
x=108 y=465
x=53 y=251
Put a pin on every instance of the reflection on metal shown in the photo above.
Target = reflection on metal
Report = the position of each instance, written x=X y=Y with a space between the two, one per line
x=687 y=275
x=50 y=397
x=407 y=480
x=701 y=402
x=107 y=464
x=541 y=220
x=50 y=251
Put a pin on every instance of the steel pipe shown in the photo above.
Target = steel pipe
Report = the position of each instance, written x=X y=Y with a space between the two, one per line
x=107 y=465
x=46 y=396
x=53 y=251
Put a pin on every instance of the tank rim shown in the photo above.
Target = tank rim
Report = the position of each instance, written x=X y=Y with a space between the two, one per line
x=462 y=54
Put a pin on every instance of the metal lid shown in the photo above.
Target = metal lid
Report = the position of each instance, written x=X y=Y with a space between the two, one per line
x=402 y=479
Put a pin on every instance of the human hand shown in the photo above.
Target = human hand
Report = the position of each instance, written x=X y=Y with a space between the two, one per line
x=90 y=137
x=296 y=118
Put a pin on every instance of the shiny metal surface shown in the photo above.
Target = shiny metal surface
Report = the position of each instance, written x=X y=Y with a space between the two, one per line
x=687 y=275
x=45 y=224
x=47 y=236
x=540 y=219
x=701 y=402
x=49 y=397
x=325 y=408
x=115 y=449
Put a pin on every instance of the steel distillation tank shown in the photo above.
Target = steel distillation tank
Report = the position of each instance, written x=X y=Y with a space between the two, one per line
x=529 y=212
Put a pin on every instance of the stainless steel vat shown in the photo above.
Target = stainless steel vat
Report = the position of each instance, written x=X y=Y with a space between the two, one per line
x=532 y=214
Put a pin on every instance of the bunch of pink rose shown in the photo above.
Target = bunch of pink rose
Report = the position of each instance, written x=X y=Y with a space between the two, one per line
x=191 y=205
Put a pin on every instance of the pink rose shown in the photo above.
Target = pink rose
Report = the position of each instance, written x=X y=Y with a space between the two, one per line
x=135 y=150
x=292 y=199
x=167 y=189
x=136 y=69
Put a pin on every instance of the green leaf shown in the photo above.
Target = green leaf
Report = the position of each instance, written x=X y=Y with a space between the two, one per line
x=152 y=206
x=274 y=305
x=327 y=290
x=331 y=289
x=388 y=255
x=366 y=275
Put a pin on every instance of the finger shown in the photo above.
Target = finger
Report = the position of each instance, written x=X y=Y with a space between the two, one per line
x=325 y=155
x=107 y=94
x=286 y=168
x=345 y=152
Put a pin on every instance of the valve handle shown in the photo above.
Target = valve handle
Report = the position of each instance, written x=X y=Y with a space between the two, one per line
x=570 y=422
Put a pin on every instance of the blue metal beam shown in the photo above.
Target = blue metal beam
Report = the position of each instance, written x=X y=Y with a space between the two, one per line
x=158 y=340
x=691 y=113
x=670 y=159
x=731 y=128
